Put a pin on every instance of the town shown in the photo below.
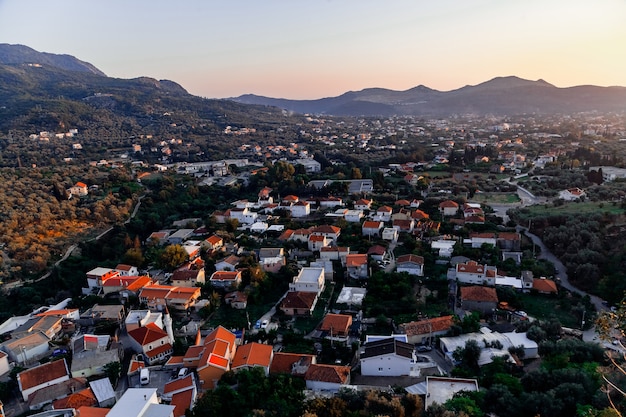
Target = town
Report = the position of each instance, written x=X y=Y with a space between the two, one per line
x=408 y=275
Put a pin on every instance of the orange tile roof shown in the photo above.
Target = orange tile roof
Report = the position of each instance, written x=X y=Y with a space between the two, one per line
x=158 y=350
x=155 y=291
x=193 y=352
x=479 y=293
x=214 y=240
x=283 y=363
x=64 y=312
x=317 y=238
x=384 y=209
x=410 y=258
x=356 y=259
x=419 y=215
x=225 y=275
x=472 y=267
x=183 y=293
x=368 y=224
x=135 y=365
x=175 y=360
x=298 y=299
x=147 y=334
x=328 y=373
x=435 y=324
x=178 y=384
x=339 y=323
x=80 y=398
x=181 y=402
x=509 y=236
x=545 y=285
x=448 y=203
x=43 y=373
x=483 y=235
x=253 y=354
x=93 y=411
x=221 y=333
x=326 y=229
x=402 y=203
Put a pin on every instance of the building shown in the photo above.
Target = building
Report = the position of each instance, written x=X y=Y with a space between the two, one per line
x=357 y=266
x=153 y=342
x=188 y=277
x=253 y=355
x=545 y=286
x=295 y=364
x=141 y=402
x=390 y=234
x=372 y=228
x=299 y=303
x=272 y=259
x=327 y=377
x=388 y=357
x=308 y=280
x=411 y=264
x=42 y=376
x=448 y=208
x=215 y=356
x=336 y=327
x=479 y=298
x=472 y=272
x=425 y=331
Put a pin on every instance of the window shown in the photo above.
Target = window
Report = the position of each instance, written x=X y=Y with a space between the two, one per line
x=380 y=369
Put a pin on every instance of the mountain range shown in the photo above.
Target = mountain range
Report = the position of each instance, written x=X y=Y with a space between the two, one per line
x=69 y=77
x=499 y=96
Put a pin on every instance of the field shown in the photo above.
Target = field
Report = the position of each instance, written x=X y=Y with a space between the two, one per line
x=496 y=198
x=542 y=210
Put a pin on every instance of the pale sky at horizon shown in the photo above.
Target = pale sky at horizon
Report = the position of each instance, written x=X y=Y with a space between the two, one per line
x=308 y=50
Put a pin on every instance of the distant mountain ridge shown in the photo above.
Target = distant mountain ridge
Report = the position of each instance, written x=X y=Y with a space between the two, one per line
x=499 y=96
x=20 y=54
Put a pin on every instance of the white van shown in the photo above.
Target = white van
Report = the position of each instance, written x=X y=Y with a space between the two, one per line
x=182 y=372
x=144 y=376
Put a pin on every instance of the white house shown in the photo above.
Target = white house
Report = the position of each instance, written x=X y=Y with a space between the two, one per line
x=388 y=357
x=411 y=264
x=308 y=280
x=444 y=247
x=472 y=272
x=243 y=215
x=372 y=228
x=572 y=194
x=42 y=376
x=353 y=216
x=317 y=242
x=390 y=234
x=329 y=378
x=300 y=209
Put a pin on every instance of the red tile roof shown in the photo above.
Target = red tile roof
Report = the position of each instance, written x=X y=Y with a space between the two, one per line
x=435 y=324
x=479 y=293
x=181 y=402
x=472 y=267
x=147 y=334
x=545 y=285
x=326 y=229
x=93 y=411
x=339 y=323
x=43 y=373
x=253 y=354
x=178 y=384
x=410 y=258
x=298 y=300
x=448 y=203
x=158 y=350
x=328 y=373
x=80 y=398
x=226 y=276
x=356 y=259
x=283 y=363
x=368 y=224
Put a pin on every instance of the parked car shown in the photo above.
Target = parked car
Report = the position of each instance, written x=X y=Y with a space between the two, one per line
x=264 y=324
x=424 y=348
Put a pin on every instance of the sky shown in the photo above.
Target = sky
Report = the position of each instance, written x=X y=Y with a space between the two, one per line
x=322 y=48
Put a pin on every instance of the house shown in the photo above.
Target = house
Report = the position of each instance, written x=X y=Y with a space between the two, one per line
x=253 y=355
x=226 y=279
x=336 y=327
x=158 y=238
x=479 y=298
x=264 y=197
x=401 y=214
x=327 y=377
x=48 y=325
x=509 y=241
x=154 y=296
x=300 y=235
x=377 y=252
x=472 y=272
x=411 y=264
x=103 y=313
x=188 y=277
x=79 y=189
x=335 y=253
x=388 y=357
x=545 y=286
x=372 y=228
x=272 y=259
x=419 y=215
x=243 y=215
x=357 y=266
x=60 y=393
x=127 y=285
x=81 y=398
x=300 y=209
x=441 y=389
x=403 y=225
x=237 y=300
x=477 y=240
x=4 y=363
x=216 y=354
x=383 y=213
x=353 y=216
x=572 y=194
x=140 y=318
x=390 y=234
x=98 y=275
x=182 y=298
x=317 y=242
x=527 y=280
x=227 y=264
x=140 y=402
x=181 y=393
x=193 y=251
x=212 y=243
x=28 y=348
x=179 y=236
x=103 y=391
x=91 y=353
x=329 y=231
x=295 y=364
x=153 y=342
x=127 y=270
x=308 y=280
x=425 y=331
x=363 y=204
x=444 y=247
x=299 y=303
x=448 y=208
x=42 y=376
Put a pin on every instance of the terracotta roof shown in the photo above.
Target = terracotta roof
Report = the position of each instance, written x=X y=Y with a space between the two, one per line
x=509 y=236
x=64 y=312
x=479 y=293
x=335 y=249
x=471 y=267
x=368 y=224
x=214 y=240
x=483 y=235
x=384 y=209
x=81 y=185
x=339 y=323
x=377 y=250
x=410 y=258
x=232 y=260
x=419 y=215
x=326 y=229
x=363 y=202
x=175 y=361
x=328 y=373
x=544 y=285
x=185 y=275
x=283 y=363
x=80 y=398
x=285 y=235
x=435 y=324
x=183 y=293
x=178 y=384
x=253 y=354
x=356 y=259
x=403 y=224
x=43 y=373
x=85 y=411
x=402 y=203
x=181 y=401
x=225 y=275
x=290 y=197
x=147 y=334
x=299 y=300
x=193 y=352
x=317 y=238
x=220 y=333
x=448 y=203
x=135 y=365
x=155 y=291
x=158 y=350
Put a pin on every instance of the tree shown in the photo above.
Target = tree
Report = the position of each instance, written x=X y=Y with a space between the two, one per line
x=113 y=370
x=172 y=257
x=468 y=355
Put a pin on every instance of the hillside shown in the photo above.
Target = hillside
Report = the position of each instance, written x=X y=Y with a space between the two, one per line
x=499 y=96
